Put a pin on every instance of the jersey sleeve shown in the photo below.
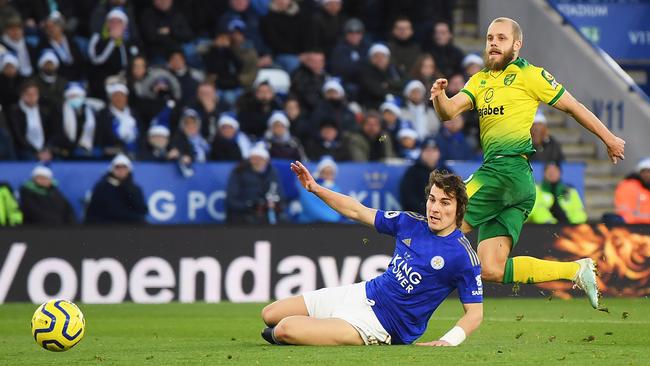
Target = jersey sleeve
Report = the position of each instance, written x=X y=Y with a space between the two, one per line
x=543 y=86
x=470 y=285
x=388 y=222
x=470 y=89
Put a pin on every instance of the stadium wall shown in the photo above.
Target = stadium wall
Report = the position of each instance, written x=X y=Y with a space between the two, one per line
x=160 y=264
x=584 y=69
x=173 y=199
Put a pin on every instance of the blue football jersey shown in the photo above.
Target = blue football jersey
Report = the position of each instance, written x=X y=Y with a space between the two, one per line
x=424 y=270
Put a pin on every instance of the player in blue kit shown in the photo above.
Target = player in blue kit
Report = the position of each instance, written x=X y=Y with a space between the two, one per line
x=431 y=259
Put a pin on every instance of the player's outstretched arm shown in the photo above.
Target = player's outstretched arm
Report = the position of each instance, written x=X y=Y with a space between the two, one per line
x=345 y=205
x=448 y=108
x=464 y=327
x=615 y=145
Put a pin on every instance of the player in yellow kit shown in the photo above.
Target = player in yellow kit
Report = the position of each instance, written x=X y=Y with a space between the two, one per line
x=506 y=95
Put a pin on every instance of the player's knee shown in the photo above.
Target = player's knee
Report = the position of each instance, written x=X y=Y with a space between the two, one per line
x=268 y=315
x=491 y=272
x=283 y=331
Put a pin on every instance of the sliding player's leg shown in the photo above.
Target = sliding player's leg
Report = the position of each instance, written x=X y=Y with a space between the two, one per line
x=274 y=312
x=306 y=330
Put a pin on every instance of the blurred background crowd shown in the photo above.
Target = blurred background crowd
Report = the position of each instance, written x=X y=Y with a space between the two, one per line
x=234 y=80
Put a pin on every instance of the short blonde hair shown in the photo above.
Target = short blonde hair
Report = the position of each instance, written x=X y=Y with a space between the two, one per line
x=516 y=29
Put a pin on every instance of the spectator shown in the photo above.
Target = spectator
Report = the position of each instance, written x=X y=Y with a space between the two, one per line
x=72 y=63
x=254 y=109
x=327 y=143
x=407 y=144
x=372 y=143
x=229 y=144
x=187 y=143
x=313 y=208
x=201 y=14
x=632 y=197
x=241 y=10
x=349 y=55
x=254 y=194
x=449 y=58
x=223 y=67
x=118 y=123
x=244 y=51
x=10 y=214
x=187 y=77
x=279 y=140
x=161 y=91
x=13 y=39
x=456 y=83
x=41 y=201
x=307 y=81
x=116 y=197
x=281 y=29
x=472 y=63
x=7 y=151
x=7 y=11
x=334 y=107
x=209 y=107
x=156 y=148
x=378 y=77
x=327 y=23
x=137 y=73
x=392 y=123
x=452 y=142
x=412 y=197
x=163 y=30
x=10 y=80
x=419 y=111
x=556 y=202
x=80 y=133
x=424 y=69
x=98 y=18
x=50 y=84
x=33 y=124
x=298 y=124
x=546 y=147
x=109 y=51
x=403 y=47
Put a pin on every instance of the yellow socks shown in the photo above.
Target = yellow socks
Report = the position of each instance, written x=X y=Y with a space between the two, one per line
x=534 y=270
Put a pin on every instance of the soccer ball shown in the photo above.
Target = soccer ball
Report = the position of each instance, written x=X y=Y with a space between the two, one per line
x=58 y=325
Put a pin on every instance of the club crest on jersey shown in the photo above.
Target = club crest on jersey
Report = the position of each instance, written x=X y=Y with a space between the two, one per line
x=407 y=242
x=437 y=262
x=489 y=95
x=509 y=79
x=391 y=214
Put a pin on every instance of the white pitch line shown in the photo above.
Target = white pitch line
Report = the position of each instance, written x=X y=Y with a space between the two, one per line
x=532 y=320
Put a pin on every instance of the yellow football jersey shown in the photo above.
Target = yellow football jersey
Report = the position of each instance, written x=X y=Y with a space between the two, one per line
x=506 y=102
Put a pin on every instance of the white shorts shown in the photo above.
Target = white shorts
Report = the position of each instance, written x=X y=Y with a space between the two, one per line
x=350 y=304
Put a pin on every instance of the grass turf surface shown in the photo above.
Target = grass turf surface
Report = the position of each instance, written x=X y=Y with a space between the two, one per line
x=514 y=331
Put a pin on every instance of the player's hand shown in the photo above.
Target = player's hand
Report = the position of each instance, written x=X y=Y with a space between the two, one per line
x=616 y=149
x=438 y=87
x=435 y=344
x=304 y=176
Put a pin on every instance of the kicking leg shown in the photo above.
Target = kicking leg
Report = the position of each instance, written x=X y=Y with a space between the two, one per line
x=305 y=330
x=274 y=312
x=497 y=267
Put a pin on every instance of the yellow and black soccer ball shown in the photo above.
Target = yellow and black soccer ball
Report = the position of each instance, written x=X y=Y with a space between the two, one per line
x=58 y=325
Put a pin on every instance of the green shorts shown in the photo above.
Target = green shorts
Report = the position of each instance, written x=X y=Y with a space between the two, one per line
x=501 y=195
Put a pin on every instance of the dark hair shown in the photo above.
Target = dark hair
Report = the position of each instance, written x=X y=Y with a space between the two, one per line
x=453 y=186
x=29 y=83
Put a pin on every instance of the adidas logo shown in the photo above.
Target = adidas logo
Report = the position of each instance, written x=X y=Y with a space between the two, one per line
x=407 y=242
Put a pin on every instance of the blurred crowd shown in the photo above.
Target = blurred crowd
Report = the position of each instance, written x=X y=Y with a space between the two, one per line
x=235 y=80
x=200 y=80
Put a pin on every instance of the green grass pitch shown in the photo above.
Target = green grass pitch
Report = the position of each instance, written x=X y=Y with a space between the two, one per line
x=515 y=331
